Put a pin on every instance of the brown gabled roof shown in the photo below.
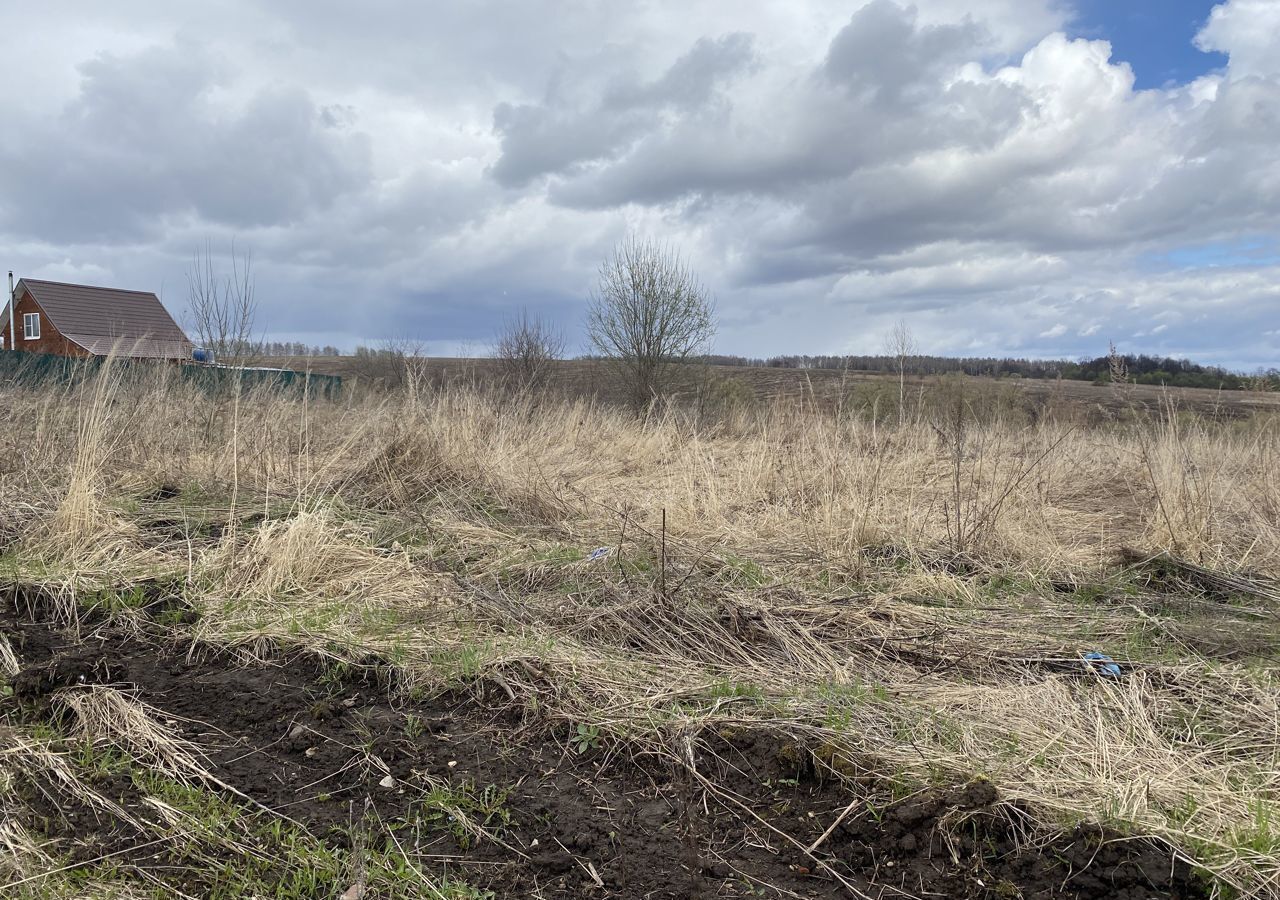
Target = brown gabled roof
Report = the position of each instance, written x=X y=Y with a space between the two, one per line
x=98 y=319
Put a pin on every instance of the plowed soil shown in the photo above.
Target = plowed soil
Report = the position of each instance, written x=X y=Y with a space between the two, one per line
x=582 y=817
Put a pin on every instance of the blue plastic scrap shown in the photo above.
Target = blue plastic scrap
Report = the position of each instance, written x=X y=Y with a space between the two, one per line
x=1102 y=664
x=598 y=553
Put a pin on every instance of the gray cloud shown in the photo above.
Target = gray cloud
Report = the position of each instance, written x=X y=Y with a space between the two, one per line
x=827 y=167
x=558 y=135
x=884 y=53
x=147 y=141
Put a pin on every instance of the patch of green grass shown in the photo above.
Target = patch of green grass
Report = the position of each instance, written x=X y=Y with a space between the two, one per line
x=44 y=733
x=1194 y=725
x=834 y=580
x=174 y=616
x=99 y=763
x=842 y=701
x=114 y=600
x=636 y=562
x=739 y=572
x=414 y=726
x=1181 y=813
x=1262 y=836
x=559 y=555
x=247 y=854
x=484 y=505
x=902 y=784
x=462 y=664
x=837 y=719
x=462 y=811
x=723 y=688
x=552 y=566
x=1105 y=592
x=335 y=673
x=397 y=654
x=1142 y=640
x=854 y=693
x=193 y=493
x=127 y=599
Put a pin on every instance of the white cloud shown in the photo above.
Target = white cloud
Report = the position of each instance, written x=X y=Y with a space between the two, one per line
x=1249 y=32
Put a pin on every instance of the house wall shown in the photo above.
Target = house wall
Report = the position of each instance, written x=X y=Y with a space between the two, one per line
x=50 y=340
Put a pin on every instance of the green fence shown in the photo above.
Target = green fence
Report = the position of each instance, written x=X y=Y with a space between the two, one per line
x=18 y=366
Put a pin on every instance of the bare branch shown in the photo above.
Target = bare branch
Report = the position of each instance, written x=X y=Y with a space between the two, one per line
x=526 y=349
x=649 y=314
x=392 y=363
x=222 y=309
x=900 y=343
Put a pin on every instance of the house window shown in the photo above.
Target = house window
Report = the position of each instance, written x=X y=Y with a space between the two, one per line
x=31 y=326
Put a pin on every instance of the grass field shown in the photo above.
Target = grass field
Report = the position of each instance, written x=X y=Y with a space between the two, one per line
x=1065 y=400
x=783 y=641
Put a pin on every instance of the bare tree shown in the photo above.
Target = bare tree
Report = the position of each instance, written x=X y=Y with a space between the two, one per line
x=900 y=344
x=526 y=350
x=649 y=314
x=392 y=364
x=221 y=307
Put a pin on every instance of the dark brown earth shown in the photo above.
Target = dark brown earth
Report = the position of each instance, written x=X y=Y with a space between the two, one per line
x=313 y=743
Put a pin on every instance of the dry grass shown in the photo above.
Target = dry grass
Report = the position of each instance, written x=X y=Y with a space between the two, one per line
x=917 y=595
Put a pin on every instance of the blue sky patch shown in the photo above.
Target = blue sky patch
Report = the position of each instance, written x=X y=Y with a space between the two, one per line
x=1255 y=251
x=1156 y=37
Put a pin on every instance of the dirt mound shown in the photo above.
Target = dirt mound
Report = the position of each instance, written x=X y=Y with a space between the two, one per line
x=527 y=808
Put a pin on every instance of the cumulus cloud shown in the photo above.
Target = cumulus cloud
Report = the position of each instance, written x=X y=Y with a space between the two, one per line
x=828 y=167
x=146 y=141
x=1246 y=31
x=565 y=132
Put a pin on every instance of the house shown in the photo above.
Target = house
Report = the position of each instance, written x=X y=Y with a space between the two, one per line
x=78 y=320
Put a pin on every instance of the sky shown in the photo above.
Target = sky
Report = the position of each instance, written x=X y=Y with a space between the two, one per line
x=1009 y=177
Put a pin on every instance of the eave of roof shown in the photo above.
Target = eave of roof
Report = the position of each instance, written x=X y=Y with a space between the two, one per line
x=131 y=348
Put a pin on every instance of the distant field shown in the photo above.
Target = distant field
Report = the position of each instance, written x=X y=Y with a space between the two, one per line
x=586 y=378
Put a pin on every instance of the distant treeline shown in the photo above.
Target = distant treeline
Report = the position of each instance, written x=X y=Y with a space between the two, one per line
x=292 y=348
x=1142 y=369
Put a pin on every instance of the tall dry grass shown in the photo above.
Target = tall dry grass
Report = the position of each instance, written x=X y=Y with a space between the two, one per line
x=781 y=480
x=919 y=595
